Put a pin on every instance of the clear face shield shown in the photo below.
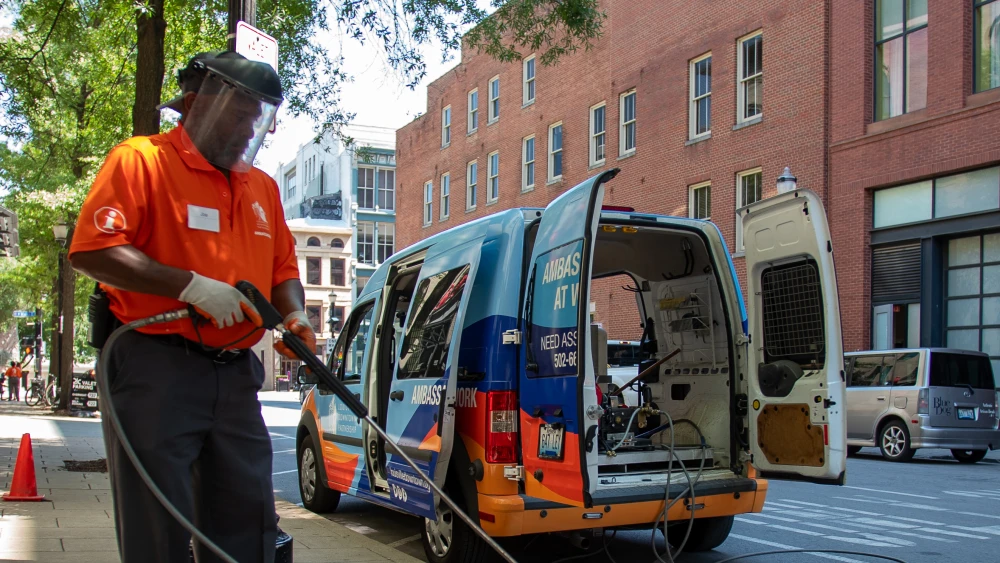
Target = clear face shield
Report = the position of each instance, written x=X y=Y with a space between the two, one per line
x=227 y=123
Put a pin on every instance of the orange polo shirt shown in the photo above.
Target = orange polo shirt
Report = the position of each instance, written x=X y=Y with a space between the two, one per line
x=170 y=203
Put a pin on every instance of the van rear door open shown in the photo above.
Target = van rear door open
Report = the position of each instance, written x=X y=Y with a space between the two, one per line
x=796 y=362
x=557 y=377
x=421 y=412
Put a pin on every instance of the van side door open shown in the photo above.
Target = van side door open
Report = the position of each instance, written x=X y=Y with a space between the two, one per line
x=796 y=383
x=558 y=439
x=421 y=411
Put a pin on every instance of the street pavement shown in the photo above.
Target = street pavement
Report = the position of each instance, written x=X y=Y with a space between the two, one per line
x=930 y=510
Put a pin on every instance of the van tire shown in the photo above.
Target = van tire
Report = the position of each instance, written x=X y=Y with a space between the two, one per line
x=968 y=456
x=853 y=450
x=316 y=496
x=706 y=533
x=894 y=441
x=463 y=545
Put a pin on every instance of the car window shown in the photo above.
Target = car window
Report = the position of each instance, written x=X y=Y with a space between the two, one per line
x=904 y=374
x=960 y=370
x=885 y=378
x=866 y=371
x=347 y=364
x=430 y=324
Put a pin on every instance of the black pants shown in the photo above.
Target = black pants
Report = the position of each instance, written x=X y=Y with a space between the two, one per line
x=197 y=427
x=14 y=394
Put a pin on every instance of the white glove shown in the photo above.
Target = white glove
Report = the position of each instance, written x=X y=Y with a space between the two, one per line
x=219 y=301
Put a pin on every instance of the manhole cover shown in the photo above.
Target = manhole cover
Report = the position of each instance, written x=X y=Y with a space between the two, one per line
x=89 y=466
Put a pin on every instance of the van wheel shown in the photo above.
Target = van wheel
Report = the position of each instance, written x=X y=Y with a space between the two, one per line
x=316 y=496
x=706 y=533
x=449 y=540
x=968 y=456
x=853 y=450
x=894 y=441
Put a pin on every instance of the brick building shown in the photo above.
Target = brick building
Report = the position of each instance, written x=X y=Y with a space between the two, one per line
x=673 y=94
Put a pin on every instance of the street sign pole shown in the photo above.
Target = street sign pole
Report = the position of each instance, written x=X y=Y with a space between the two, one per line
x=240 y=10
x=256 y=45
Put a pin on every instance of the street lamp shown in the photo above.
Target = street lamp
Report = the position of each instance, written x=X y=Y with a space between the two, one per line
x=787 y=182
x=333 y=321
x=60 y=230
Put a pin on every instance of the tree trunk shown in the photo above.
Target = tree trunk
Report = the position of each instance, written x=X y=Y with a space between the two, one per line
x=151 y=28
x=66 y=353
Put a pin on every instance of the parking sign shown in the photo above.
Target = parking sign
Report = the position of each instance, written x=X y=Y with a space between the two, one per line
x=256 y=45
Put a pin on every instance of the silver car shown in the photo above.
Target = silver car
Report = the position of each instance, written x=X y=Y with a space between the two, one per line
x=902 y=400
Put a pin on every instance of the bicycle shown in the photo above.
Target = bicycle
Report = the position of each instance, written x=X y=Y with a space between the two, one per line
x=37 y=395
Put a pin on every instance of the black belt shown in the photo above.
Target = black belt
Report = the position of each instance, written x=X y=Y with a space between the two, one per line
x=217 y=355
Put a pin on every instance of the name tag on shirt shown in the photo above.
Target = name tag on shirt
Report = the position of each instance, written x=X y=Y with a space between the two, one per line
x=203 y=218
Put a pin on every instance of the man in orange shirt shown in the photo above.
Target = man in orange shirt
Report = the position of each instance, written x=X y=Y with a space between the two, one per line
x=174 y=221
x=14 y=382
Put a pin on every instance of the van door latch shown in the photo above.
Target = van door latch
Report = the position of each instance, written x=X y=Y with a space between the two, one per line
x=512 y=337
x=514 y=472
x=743 y=339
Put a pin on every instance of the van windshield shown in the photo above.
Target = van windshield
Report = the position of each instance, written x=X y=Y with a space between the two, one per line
x=961 y=370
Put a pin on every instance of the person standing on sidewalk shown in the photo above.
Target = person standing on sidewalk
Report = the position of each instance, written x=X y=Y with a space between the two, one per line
x=173 y=221
x=14 y=383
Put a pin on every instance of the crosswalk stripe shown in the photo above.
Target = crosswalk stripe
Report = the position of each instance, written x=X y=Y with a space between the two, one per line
x=775 y=517
x=854 y=511
x=785 y=546
x=796 y=530
x=980 y=515
x=890 y=492
x=803 y=502
x=834 y=528
x=950 y=533
x=921 y=536
x=917 y=520
x=885 y=523
x=750 y=521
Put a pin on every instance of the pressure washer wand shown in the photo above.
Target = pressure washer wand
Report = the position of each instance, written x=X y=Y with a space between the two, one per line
x=272 y=319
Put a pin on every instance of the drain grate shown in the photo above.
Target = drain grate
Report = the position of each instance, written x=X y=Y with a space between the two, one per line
x=88 y=466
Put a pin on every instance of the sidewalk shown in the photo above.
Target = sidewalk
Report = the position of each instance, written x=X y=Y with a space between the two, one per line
x=74 y=523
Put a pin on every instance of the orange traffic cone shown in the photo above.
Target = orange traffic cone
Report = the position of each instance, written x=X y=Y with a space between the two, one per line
x=23 y=487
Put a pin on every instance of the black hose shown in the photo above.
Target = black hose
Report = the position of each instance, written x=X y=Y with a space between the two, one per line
x=837 y=551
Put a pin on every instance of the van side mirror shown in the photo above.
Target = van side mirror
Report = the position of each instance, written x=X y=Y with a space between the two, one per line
x=306 y=377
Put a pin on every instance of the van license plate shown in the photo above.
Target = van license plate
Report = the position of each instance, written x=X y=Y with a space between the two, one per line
x=967 y=414
x=550 y=441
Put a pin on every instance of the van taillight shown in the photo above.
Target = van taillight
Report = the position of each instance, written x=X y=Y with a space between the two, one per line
x=501 y=433
x=923 y=406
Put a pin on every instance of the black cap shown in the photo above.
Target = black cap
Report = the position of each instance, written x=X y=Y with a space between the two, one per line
x=256 y=76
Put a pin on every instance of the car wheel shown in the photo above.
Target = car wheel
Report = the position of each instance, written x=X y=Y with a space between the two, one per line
x=894 y=441
x=316 y=496
x=853 y=450
x=706 y=533
x=449 y=540
x=968 y=456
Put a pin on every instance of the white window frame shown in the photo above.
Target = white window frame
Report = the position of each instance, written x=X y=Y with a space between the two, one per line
x=525 y=163
x=445 y=196
x=594 y=161
x=471 y=185
x=526 y=81
x=428 y=202
x=552 y=153
x=493 y=115
x=446 y=126
x=694 y=99
x=691 y=200
x=622 y=124
x=473 y=110
x=740 y=80
x=492 y=178
x=740 y=203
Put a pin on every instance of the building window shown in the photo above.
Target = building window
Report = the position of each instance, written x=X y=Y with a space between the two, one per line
x=446 y=127
x=700 y=201
x=529 y=80
x=986 y=35
x=445 y=196
x=973 y=295
x=900 y=57
x=366 y=188
x=494 y=111
x=386 y=189
x=366 y=242
x=313 y=274
x=338 y=315
x=362 y=281
x=386 y=241
x=315 y=315
x=626 y=133
x=750 y=71
x=528 y=163
x=338 y=272
x=555 y=151
x=337 y=243
x=949 y=196
x=749 y=189
x=289 y=185
x=597 y=134
x=700 y=113
x=428 y=202
x=313 y=241
x=473 y=110
x=471 y=180
x=493 y=172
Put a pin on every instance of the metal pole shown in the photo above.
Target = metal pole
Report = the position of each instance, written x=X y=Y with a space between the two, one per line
x=57 y=353
x=240 y=10
x=39 y=338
